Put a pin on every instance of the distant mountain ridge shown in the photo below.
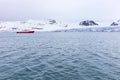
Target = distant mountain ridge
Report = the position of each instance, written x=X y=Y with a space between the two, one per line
x=57 y=26
x=117 y=23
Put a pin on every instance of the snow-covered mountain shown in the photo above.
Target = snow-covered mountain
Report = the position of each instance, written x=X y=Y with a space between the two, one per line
x=57 y=26
x=48 y=25
x=117 y=23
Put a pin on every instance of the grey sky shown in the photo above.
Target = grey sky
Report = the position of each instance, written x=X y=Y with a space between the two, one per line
x=59 y=9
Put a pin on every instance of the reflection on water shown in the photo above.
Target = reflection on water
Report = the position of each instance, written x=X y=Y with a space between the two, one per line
x=60 y=56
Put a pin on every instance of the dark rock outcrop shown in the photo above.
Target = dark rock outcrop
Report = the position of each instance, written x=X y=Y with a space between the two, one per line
x=52 y=21
x=114 y=24
x=88 y=23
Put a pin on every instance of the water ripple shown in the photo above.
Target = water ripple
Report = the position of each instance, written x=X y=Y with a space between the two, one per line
x=60 y=56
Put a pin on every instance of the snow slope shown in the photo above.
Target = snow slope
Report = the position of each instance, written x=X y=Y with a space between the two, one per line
x=52 y=25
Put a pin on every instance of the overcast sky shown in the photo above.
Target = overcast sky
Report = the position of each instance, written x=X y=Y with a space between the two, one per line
x=59 y=9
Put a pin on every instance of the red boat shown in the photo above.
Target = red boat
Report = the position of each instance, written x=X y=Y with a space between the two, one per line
x=25 y=32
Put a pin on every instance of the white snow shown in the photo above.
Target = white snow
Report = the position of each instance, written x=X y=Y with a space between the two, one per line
x=41 y=26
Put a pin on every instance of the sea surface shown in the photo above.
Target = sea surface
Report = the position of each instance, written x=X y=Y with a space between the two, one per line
x=60 y=56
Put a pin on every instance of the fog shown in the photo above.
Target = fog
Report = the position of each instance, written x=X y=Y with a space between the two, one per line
x=64 y=10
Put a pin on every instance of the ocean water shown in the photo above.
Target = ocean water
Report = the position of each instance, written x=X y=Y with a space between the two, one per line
x=60 y=56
